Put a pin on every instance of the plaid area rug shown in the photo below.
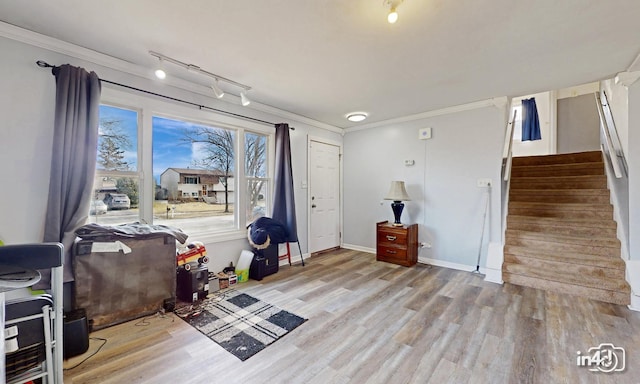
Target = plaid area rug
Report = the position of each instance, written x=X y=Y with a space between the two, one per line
x=240 y=323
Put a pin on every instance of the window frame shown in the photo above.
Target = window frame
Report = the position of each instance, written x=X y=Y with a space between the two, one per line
x=148 y=107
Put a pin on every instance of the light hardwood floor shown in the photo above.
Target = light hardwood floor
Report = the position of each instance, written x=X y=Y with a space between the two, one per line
x=374 y=322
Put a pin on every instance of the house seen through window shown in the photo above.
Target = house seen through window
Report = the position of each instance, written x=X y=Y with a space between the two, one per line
x=116 y=184
x=194 y=170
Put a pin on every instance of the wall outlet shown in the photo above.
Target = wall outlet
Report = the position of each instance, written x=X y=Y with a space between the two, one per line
x=409 y=163
x=425 y=245
x=484 y=183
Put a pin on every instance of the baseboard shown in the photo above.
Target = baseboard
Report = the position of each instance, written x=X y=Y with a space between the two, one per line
x=633 y=278
x=359 y=248
x=295 y=259
x=635 y=303
x=450 y=265
x=495 y=258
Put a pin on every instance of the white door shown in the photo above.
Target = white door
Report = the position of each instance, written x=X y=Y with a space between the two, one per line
x=324 y=195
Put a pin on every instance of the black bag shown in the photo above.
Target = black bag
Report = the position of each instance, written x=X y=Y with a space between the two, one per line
x=264 y=263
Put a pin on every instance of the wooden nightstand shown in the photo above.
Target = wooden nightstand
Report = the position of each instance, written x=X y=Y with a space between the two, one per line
x=398 y=245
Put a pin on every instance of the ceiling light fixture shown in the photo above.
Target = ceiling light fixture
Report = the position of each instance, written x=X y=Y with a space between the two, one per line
x=392 y=17
x=160 y=73
x=357 y=116
x=244 y=99
x=216 y=89
x=219 y=93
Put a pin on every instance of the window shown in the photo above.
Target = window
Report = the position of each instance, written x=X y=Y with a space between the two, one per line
x=204 y=173
x=517 y=125
x=255 y=153
x=191 y=180
x=116 y=183
x=193 y=169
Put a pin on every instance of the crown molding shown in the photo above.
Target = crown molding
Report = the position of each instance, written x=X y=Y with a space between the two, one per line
x=635 y=65
x=626 y=78
x=35 y=39
x=498 y=102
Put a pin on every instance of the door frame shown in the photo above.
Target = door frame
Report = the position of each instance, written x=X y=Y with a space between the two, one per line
x=338 y=144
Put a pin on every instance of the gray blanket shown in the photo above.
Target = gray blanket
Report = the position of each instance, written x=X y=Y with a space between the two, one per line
x=98 y=232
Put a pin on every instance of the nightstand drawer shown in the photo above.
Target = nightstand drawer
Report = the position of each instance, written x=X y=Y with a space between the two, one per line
x=393 y=237
x=396 y=253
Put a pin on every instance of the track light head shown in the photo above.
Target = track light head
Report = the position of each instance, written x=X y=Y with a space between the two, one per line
x=392 y=17
x=244 y=99
x=160 y=73
x=216 y=89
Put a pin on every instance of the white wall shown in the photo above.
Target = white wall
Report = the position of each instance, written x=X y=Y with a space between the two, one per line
x=27 y=100
x=578 y=124
x=446 y=201
x=633 y=160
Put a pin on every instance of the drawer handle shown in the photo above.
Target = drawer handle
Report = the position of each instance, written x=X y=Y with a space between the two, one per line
x=391 y=238
x=391 y=252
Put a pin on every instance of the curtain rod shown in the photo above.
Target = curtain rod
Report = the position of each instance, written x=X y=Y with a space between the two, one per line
x=44 y=64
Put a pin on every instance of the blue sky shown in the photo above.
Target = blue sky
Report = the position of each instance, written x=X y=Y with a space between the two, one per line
x=169 y=149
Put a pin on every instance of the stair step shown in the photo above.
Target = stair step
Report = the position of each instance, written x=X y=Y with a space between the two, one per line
x=580 y=157
x=611 y=242
x=560 y=182
x=562 y=229
x=592 y=196
x=590 y=271
x=560 y=221
x=554 y=247
x=607 y=207
x=570 y=214
x=563 y=276
x=621 y=297
x=545 y=170
x=615 y=262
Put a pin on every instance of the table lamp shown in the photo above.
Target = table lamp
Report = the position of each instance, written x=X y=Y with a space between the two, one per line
x=398 y=194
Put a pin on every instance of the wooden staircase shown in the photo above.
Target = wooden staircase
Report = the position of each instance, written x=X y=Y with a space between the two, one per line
x=560 y=234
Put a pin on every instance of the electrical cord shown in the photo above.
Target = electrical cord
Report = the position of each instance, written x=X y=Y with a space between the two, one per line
x=160 y=314
x=104 y=342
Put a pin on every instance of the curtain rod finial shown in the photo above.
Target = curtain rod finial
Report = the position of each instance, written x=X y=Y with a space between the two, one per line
x=43 y=64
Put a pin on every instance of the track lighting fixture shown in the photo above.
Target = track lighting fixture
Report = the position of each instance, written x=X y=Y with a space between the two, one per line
x=216 y=89
x=245 y=100
x=160 y=73
x=392 y=17
x=218 y=92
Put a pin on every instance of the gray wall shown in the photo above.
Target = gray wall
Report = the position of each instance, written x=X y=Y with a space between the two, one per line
x=27 y=110
x=578 y=124
x=445 y=199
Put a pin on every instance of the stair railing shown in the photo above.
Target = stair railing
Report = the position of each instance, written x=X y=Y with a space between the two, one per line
x=610 y=134
x=507 y=157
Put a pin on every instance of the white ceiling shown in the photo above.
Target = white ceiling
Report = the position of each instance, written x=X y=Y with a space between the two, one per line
x=325 y=58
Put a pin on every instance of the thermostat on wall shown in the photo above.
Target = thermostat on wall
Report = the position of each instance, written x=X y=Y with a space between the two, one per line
x=424 y=133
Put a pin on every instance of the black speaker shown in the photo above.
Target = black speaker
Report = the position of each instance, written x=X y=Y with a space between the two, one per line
x=75 y=333
x=192 y=285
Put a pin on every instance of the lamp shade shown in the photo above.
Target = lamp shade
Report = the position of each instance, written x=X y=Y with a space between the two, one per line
x=397 y=192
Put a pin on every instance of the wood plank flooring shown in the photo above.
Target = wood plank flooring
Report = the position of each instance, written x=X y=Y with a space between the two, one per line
x=374 y=322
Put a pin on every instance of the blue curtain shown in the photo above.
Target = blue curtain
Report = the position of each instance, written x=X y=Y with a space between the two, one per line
x=530 y=121
x=284 y=205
